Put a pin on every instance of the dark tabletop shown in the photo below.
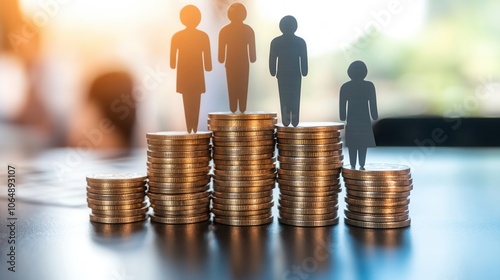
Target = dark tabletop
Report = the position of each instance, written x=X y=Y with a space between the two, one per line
x=455 y=230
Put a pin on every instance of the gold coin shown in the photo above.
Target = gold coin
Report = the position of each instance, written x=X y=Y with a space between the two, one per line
x=243 y=139
x=267 y=161
x=176 y=175
x=382 y=169
x=310 y=148
x=309 y=178
x=333 y=162
x=306 y=211
x=248 y=217
x=194 y=154
x=121 y=213
x=324 y=141
x=268 y=126
x=299 y=223
x=289 y=184
x=241 y=151
x=242 y=123
x=244 y=184
x=130 y=178
x=307 y=135
x=389 y=202
x=180 y=208
x=174 y=142
x=380 y=183
x=115 y=202
x=117 y=207
x=242 y=207
x=308 y=217
x=257 y=115
x=311 y=127
x=181 y=185
x=390 y=189
x=180 y=220
x=308 y=198
x=111 y=185
x=310 y=192
x=117 y=196
x=176 y=166
x=187 y=196
x=380 y=225
x=244 y=173
x=197 y=160
x=228 y=190
x=115 y=191
x=308 y=205
x=367 y=194
x=117 y=220
x=243 y=195
x=246 y=201
x=178 y=148
x=376 y=218
x=178 y=179
x=309 y=173
x=257 y=143
x=309 y=154
x=178 y=135
x=218 y=212
x=245 y=167
x=365 y=177
x=236 y=222
x=377 y=209
x=245 y=179
x=183 y=213
x=233 y=134
x=195 y=201
x=307 y=167
x=177 y=190
x=241 y=157
x=204 y=169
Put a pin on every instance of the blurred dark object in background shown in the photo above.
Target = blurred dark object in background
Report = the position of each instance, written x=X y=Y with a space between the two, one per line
x=438 y=132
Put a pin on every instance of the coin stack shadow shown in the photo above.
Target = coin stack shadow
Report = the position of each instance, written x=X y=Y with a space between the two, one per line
x=179 y=179
x=244 y=167
x=310 y=158
x=117 y=198
x=378 y=196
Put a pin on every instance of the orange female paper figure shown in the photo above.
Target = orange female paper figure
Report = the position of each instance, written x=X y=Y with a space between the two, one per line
x=357 y=104
x=236 y=50
x=190 y=55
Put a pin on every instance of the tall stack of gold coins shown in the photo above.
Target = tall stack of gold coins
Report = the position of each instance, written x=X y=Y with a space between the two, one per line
x=117 y=198
x=310 y=158
x=244 y=167
x=378 y=196
x=179 y=176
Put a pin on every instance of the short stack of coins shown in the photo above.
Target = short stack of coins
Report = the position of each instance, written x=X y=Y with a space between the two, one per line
x=179 y=176
x=117 y=198
x=378 y=196
x=310 y=159
x=244 y=167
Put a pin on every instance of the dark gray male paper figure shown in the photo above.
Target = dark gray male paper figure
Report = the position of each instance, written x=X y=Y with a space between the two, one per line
x=288 y=62
x=357 y=103
x=236 y=49
x=190 y=54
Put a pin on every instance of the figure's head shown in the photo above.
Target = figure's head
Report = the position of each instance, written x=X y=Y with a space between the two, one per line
x=288 y=25
x=190 y=16
x=237 y=12
x=357 y=70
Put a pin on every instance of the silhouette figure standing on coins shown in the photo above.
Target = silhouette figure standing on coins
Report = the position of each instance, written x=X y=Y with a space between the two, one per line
x=288 y=62
x=236 y=50
x=190 y=55
x=358 y=105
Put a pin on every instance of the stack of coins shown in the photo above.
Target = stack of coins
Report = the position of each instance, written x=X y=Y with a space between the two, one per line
x=378 y=196
x=117 y=198
x=244 y=167
x=179 y=179
x=310 y=158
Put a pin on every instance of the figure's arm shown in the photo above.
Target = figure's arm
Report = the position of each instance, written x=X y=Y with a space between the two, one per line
x=173 y=53
x=206 y=54
x=222 y=46
x=251 y=46
x=373 y=102
x=303 y=59
x=273 y=58
x=343 y=104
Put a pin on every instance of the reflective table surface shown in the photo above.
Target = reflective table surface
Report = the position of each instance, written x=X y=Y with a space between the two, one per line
x=455 y=230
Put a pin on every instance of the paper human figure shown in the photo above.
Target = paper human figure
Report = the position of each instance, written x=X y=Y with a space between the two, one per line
x=288 y=62
x=190 y=55
x=358 y=105
x=236 y=51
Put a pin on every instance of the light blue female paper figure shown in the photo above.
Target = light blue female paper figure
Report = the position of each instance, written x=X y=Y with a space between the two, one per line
x=190 y=54
x=357 y=104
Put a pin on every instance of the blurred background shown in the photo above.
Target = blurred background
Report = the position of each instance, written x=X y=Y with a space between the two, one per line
x=95 y=74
